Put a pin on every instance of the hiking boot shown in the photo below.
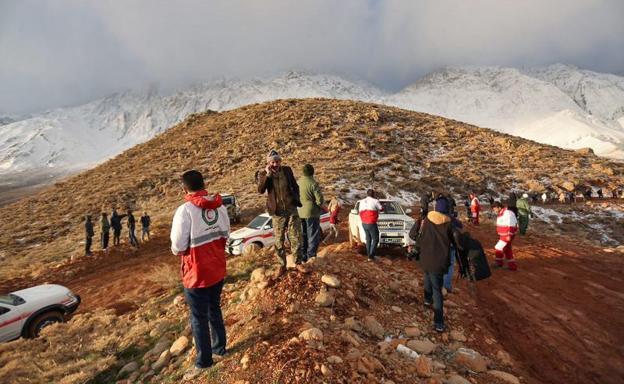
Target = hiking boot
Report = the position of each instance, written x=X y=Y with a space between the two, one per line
x=194 y=373
x=440 y=328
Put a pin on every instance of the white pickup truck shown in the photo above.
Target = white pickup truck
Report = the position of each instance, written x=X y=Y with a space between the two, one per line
x=259 y=233
x=25 y=313
x=394 y=225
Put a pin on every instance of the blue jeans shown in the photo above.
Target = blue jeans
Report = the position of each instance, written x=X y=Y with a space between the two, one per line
x=448 y=277
x=433 y=295
x=372 y=239
x=311 y=237
x=206 y=322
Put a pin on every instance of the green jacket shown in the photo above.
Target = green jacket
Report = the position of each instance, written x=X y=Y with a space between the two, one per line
x=523 y=207
x=311 y=198
x=104 y=225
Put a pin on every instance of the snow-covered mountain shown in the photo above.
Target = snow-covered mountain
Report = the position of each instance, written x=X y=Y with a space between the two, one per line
x=559 y=105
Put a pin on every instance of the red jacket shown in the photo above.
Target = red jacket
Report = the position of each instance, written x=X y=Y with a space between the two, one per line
x=475 y=206
x=199 y=231
x=369 y=209
x=506 y=223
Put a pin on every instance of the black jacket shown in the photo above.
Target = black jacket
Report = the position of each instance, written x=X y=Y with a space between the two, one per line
x=265 y=184
x=89 y=228
x=145 y=221
x=437 y=235
x=131 y=222
x=115 y=221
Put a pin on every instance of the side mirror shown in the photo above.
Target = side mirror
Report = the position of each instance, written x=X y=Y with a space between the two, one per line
x=408 y=210
x=266 y=227
x=354 y=212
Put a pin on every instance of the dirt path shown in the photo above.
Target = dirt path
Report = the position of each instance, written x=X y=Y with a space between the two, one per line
x=562 y=314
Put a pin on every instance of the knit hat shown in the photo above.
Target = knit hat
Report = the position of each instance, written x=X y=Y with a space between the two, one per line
x=442 y=205
x=308 y=170
x=273 y=155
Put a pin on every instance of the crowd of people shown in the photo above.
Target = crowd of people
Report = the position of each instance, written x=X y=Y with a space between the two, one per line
x=201 y=227
x=116 y=224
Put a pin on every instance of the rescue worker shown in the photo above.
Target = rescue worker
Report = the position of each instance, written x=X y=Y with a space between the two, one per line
x=199 y=232
x=506 y=228
x=475 y=208
x=115 y=222
x=88 y=235
x=334 y=209
x=368 y=209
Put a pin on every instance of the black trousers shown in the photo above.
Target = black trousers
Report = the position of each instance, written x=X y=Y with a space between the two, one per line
x=88 y=245
x=104 y=239
x=116 y=236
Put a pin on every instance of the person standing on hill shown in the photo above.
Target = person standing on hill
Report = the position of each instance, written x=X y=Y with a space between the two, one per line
x=334 y=210
x=468 y=210
x=131 y=228
x=436 y=237
x=475 y=208
x=524 y=211
x=368 y=209
x=310 y=212
x=199 y=231
x=104 y=232
x=280 y=185
x=145 y=226
x=506 y=228
x=115 y=222
x=544 y=198
x=88 y=235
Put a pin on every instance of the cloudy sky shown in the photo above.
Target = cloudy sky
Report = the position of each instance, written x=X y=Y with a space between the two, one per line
x=64 y=52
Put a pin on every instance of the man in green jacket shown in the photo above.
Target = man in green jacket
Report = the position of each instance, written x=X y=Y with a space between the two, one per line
x=524 y=211
x=310 y=212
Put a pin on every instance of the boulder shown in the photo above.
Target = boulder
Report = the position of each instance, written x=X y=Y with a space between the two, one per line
x=412 y=332
x=471 y=359
x=568 y=186
x=163 y=360
x=373 y=327
x=456 y=379
x=506 y=377
x=179 y=346
x=330 y=281
x=257 y=275
x=325 y=298
x=128 y=368
x=458 y=336
x=334 y=359
x=584 y=151
x=423 y=346
x=353 y=324
x=311 y=334
x=179 y=300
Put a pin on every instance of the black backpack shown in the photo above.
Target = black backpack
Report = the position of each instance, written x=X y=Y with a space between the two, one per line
x=473 y=262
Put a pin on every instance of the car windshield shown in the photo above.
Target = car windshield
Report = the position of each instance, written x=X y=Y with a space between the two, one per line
x=391 y=208
x=10 y=299
x=257 y=223
x=227 y=200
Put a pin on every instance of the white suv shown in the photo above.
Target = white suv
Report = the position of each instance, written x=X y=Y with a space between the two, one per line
x=25 y=313
x=259 y=233
x=394 y=225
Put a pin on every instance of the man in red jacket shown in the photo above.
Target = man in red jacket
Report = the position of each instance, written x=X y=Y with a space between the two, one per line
x=198 y=235
x=475 y=208
x=506 y=228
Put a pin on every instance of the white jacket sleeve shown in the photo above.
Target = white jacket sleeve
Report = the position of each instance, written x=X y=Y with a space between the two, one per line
x=180 y=231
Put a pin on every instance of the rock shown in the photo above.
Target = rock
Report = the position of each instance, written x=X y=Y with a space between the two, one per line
x=334 y=359
x=421 y=346
x=350 y=294
x=412 y=332
x=568 y=186
x=353 y=354
x=311 y=334
x=456 y=379
x=179 y=300
x=471 y=359
x=179 y=346
x=507 y=377
x=244 y=361
x=161 y=345
x=325 y=298
x=324 y=370
x=330 y=281
x=458 y=336
x=134 y=376
x=396 y=309
x=163 y=359
x=353 y=324
x=374 y=327
x=584 y=151
x=385 y=347
x=424 y=366
x=257 y=275
x=128 y=368
x=504 y=358
x=351 y=338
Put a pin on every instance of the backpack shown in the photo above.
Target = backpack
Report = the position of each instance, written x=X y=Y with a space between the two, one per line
x=415 y=234
x=473 y=262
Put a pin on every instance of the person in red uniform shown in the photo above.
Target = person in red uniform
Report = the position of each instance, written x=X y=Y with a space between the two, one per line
x=506 y=228
x=475 y=208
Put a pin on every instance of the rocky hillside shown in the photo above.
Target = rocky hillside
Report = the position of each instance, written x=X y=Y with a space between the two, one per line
x=353 y=146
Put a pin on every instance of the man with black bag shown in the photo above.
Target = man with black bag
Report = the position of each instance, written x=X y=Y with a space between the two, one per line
x=473 y=263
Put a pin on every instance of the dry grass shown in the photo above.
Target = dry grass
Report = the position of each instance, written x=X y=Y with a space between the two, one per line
x=166 y=276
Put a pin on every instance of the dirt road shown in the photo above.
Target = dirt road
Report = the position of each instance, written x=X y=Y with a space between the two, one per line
x=560 y=317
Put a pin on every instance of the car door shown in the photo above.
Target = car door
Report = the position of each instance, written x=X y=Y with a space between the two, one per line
x=10 y=322
x=268 y=236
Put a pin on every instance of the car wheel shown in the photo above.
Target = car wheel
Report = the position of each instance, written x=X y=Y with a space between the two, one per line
x=42 y=321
